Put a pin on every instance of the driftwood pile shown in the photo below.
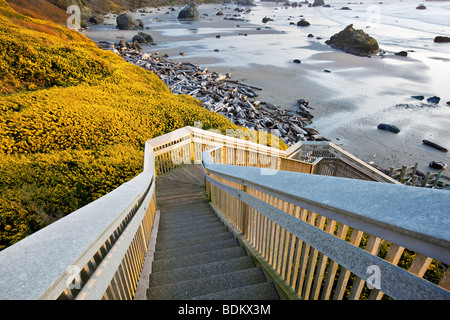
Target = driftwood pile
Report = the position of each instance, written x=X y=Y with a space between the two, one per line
x=233 y=99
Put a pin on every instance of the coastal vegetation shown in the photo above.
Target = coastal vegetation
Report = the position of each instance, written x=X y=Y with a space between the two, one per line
x=73 y=121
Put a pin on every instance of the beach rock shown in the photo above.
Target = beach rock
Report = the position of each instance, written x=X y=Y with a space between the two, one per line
x=354 y=41
x=246 y=2
x=434 y=100
x=190 y=12
x=401 y=53
x=441 y=39
x=421 y=7
x=297 y=61
x=345 y=8
x=266 y=19
x=141 y=23
x=303 y=23
x=310 y=35
x=388 y=127
x=318 y=3
x=220 y=13
x=437 y=165
x=142 y=37
x=126 y=21
x=97 y=19
x=418 y=97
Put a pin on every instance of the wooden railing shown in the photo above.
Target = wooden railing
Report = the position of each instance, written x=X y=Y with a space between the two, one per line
x=346 y=165
x=333 y=238
x=98 y=251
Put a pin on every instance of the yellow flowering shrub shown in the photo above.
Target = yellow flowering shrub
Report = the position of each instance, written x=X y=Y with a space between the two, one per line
x=73 y=121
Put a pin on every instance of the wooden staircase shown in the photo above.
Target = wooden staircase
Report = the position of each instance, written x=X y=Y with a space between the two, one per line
x=196 y=256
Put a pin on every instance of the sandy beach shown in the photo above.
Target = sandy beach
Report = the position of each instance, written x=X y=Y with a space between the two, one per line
x=349 y=101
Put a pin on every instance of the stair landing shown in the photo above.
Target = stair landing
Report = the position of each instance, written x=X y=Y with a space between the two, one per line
x=196 y=256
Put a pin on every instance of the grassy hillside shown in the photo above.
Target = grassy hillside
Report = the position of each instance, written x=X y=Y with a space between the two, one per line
x=73 y=121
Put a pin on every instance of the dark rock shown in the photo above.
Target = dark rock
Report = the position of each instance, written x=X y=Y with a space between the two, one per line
x=246 y=3
x=437 y=165
x=310 y=35
x=126 y=21
x=401 y=53
x=297 y=61
x=448 y=103
x=220 y=13
x=434 y=100
x=190 y=12
x=303 y=23
x=354 y=41
x=421 y=7
x=441 y=39
x=318 y=3
x=266 y=19
x=142 y=37
x=141 y=23
x=388 y=127
x=418 y=97
x=327 y=71
x=345 y=8
x=96 y=19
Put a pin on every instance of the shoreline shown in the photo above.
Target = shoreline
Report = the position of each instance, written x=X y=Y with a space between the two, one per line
x=348 y=118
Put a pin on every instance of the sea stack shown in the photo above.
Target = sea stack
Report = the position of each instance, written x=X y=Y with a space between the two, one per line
x=354 y=41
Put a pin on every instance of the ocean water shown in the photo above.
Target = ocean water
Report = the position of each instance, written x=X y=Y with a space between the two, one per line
x=359 y=92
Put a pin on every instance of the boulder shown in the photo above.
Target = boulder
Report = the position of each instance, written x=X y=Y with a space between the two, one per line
x=437 y=165
x=141 y=23
x=96 y=19
x=142 y=37
x=401 y=53
x=388 y=127
x=190 y=12
x=421 y=7
x=246 y=2
x=297 y=61
x=318 y=3
x=303 y=23
x=434 y=100
x=440 y=39
x=126 y=21
x=418 y=97
x=266 y=19
x=354 y=41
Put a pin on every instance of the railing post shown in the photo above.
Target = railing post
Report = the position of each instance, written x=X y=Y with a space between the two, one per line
x=244 y=214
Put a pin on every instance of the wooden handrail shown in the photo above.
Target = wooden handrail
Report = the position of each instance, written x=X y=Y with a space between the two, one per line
x=300 y=231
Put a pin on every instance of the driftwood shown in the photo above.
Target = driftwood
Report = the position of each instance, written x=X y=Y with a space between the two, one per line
x=219 y=93
x=434 y=145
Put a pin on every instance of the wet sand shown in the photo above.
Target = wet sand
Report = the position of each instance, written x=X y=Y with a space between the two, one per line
x=350 y=101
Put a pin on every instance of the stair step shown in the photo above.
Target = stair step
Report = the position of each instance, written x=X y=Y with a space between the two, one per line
x=185 y=251
x=173 y=226
x=183 y=229
x=191 y=233
x=200 y=271
x=192 y=242
x=203 y=286
x=199 y=258
x=259 y=291
x=184 y=205
x=198 y=213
